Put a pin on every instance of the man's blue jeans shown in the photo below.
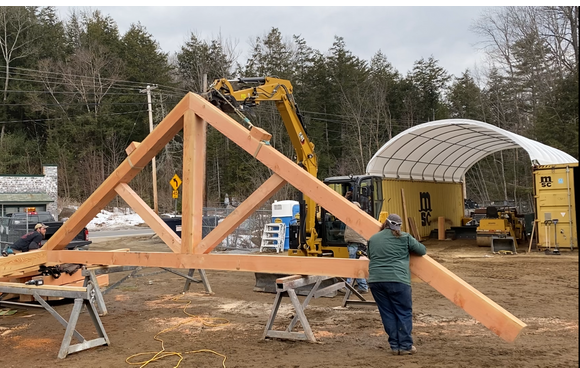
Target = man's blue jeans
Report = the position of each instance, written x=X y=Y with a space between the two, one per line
x=362 y=283
x=396 y=308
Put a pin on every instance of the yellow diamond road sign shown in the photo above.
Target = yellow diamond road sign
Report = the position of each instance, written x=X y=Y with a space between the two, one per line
x=175 y=182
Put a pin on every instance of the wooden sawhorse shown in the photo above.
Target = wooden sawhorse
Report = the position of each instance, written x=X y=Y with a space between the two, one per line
x=83 y=296
x=286 y=286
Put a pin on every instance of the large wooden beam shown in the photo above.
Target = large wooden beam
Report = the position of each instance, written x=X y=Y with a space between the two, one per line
x=156 y=224
x=241 y=213
x=194 y=151
x=126 y=171
x=13 y=263
x=486 y=311
x=343 y=267
x=490 y=314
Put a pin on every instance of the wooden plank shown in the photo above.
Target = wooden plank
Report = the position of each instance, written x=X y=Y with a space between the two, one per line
x=441 y=228
x=29 y=271
x=103 y=280
x=43 y=287
x=126 y=171
x=156 y=224
x=405 y=219
x=64 y=278
x=532 y=237
x=241 y=213
x=413 y=227
x=282 y=280
x=14 y=263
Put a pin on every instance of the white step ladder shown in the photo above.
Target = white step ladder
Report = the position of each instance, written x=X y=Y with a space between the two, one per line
x=273 y=237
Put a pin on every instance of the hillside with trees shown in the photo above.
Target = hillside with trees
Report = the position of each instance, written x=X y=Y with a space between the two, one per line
x=72 y=95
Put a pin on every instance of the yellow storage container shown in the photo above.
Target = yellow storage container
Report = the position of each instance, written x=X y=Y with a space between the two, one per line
x=555 y=209
x=425 y=202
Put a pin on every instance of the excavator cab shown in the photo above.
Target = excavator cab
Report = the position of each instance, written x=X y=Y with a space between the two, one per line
x=364 y=189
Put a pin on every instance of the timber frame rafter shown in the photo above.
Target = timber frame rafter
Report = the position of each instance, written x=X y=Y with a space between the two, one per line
x=191 y=115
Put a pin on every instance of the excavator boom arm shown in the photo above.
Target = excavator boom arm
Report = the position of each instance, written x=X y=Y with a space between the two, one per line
x=252 y=92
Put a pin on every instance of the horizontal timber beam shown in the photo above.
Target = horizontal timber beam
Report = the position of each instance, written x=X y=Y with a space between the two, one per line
x=490 y=314
x=342 y=267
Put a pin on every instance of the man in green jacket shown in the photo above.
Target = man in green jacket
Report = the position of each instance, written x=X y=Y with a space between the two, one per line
x=390 y=281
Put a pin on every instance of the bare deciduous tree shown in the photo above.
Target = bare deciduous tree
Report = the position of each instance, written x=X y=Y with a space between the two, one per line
x=16 y=41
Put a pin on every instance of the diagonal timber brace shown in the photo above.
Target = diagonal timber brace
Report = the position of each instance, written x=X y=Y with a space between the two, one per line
x=164 y=232
x=241 y=213
x=192 y=111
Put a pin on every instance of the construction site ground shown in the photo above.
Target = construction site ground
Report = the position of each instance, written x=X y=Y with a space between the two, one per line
x=541 y=290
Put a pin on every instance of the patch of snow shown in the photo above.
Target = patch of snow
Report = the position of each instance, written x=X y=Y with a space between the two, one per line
x=118 y=218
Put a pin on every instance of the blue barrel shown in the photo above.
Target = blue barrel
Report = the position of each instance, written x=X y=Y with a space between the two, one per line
x=286 y=212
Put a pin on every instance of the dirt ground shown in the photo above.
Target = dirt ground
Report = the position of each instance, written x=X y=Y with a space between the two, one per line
x=541 y=290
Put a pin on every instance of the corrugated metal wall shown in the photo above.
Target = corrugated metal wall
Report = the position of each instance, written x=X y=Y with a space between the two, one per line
x=425 y=202
x=555 y=199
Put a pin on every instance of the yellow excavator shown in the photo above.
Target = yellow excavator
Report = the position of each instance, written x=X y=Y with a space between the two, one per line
x=319 y=232
x=500 y=229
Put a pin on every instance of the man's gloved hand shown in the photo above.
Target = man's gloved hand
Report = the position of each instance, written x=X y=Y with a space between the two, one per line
x=361 y=253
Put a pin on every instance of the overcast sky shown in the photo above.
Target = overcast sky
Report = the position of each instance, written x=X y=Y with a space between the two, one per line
x=403 y=34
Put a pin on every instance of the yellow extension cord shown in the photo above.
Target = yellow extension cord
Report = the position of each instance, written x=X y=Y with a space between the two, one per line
x=163 y=354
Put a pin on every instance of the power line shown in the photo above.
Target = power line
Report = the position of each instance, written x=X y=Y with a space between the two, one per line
x=117 y=87
x=72 y=92
x=106 y=104
x=60 y=74
x=51 y=119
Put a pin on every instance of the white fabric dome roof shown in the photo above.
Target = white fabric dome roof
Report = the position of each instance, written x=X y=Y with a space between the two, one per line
x=444 y=150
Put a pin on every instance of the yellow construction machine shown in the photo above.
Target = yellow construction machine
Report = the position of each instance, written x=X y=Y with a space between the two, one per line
x=500 y=229
x=319 y=233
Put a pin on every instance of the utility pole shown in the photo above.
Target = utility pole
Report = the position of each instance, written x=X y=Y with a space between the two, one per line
x=205 y=191
x=153 y=166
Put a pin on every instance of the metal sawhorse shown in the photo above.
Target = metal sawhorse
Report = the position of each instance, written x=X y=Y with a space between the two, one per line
x=83 y=296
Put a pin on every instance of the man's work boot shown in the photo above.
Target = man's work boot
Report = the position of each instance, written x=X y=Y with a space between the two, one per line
x=411 y=351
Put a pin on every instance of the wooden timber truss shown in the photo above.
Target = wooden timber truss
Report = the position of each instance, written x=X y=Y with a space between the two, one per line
x=190 y=251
